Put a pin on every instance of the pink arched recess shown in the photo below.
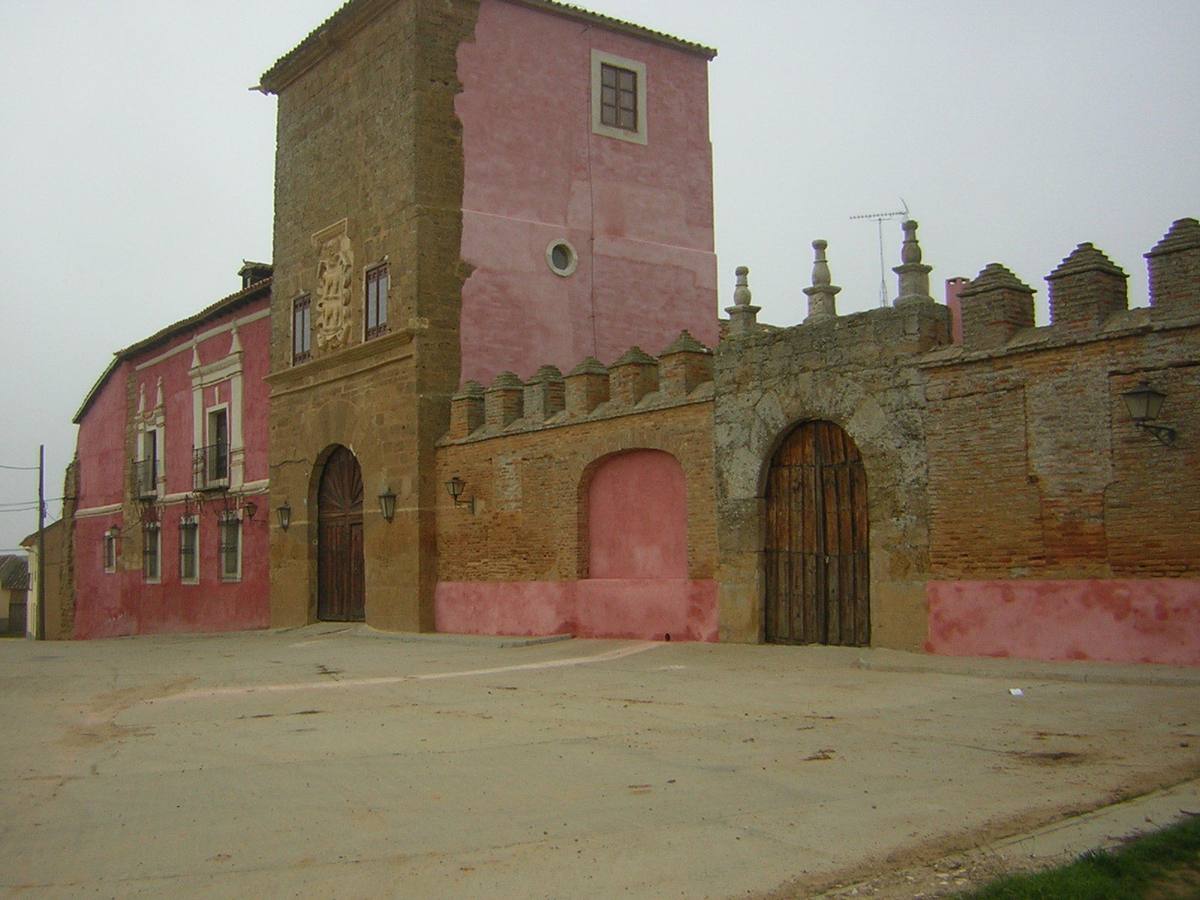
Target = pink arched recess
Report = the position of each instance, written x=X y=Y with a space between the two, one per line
x=638 y=583
x=637 y=517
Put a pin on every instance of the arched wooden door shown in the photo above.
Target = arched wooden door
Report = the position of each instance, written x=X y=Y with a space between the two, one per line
x=817 y=552
x=340 y=539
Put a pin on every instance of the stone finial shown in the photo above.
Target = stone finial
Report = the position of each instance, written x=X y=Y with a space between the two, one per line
x=741 y=290
x=913 y=275
x=587 y=387
x=1174 y=268
x=743 y=316
x=1085 y=289
x=821 y=294
x=158 y=393
x=141 y=403
x=466 y=410
x=235 y=341
x=995 y=306
x=195 y=356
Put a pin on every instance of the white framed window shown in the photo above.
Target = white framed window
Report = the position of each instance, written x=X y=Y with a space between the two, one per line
x=212 y=458
x=189 y=550
x=229 y=553
x=151 y=552
x=618 y=97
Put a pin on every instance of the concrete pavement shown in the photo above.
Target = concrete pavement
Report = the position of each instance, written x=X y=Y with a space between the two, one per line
x=335 y=762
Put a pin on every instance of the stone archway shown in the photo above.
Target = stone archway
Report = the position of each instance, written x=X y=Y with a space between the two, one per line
x=340 y=566
x=816 y=540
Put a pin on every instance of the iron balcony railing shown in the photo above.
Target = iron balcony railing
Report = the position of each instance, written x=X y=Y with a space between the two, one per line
x=145 y=478
x=210 y=467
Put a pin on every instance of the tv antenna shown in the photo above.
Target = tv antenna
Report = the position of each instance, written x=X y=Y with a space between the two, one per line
x=880 y=218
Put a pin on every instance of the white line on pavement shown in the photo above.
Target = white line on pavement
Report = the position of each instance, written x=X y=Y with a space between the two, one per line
x=206 y=693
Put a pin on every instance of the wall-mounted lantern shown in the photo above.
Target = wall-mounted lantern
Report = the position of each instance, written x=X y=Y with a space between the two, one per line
x=387 y=504
x=283 y=512
x=455 y=488
x=249 y=508
x=1144 y=404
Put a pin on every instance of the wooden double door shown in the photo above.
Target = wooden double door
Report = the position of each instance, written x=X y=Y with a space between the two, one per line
x=817 y=550
x=340 y=583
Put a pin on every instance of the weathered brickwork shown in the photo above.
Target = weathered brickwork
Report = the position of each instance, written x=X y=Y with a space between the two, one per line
x=528 y=476
x=1008 y=456
x=1036 y=469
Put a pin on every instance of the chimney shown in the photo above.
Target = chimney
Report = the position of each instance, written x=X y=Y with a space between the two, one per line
x=253 y=272
x=954 y=287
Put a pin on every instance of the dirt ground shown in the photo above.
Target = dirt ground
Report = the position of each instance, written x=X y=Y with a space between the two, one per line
x=339 y=762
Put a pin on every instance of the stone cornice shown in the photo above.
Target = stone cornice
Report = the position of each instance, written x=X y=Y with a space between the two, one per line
x=380 y=351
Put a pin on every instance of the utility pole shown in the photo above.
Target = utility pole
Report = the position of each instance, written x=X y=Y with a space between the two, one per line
x=41 y=545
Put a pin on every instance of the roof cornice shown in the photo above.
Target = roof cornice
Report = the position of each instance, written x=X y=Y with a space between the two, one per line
x=354 y=14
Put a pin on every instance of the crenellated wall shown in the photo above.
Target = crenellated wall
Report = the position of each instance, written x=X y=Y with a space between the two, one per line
x=517 y=560
x=1002 y=469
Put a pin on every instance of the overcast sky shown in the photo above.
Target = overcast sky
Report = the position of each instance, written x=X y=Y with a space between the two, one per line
x=136 y=168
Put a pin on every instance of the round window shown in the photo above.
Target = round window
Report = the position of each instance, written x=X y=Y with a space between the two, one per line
x=561 y=258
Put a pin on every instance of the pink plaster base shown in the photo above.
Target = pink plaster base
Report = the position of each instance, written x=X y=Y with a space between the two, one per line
x=649 y=609
x=1117 y=620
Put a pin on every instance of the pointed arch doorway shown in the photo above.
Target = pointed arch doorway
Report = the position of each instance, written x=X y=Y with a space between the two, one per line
x=340 y=594
x=817 y=549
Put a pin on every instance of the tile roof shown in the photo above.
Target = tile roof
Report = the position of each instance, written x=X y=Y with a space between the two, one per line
x=290 y=64
x=215 y=309
x=14 y=572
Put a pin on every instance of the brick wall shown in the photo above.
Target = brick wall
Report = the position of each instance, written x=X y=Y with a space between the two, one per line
x=527 y=461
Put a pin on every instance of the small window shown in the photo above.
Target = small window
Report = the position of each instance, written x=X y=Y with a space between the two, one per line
x=562 y=258
x=230 y=550
x=618 y=97
x=151 y=551
x=110 y=550
x=377 y=301
x=189 y=545
x=301 y=330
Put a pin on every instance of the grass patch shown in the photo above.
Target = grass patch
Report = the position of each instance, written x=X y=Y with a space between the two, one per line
x=1163 y=864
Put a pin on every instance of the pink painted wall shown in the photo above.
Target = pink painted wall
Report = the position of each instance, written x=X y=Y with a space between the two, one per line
x=637 y=542
x=637 y=517
x=647 y=609
x=109 y=604
x=1117 y=620
x=640 y=217
x=101 y=444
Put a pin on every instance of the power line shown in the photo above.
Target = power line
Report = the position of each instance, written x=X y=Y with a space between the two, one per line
x=20 y=468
